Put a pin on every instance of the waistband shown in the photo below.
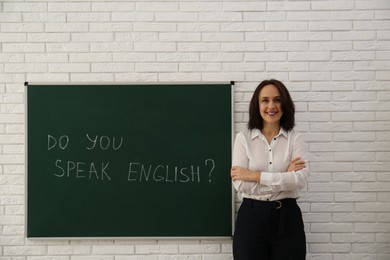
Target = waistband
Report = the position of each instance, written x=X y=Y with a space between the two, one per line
x=273 y=204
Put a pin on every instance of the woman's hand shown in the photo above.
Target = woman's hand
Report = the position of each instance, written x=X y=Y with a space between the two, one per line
x=240 y=173
x=296 y=164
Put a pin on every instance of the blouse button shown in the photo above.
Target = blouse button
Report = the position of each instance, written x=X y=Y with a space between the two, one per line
x=270 y=162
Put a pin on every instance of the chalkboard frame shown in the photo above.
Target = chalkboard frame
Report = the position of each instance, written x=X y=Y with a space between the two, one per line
x=27 y=84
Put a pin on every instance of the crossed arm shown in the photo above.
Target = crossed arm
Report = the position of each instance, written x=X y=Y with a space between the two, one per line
x=243 y=174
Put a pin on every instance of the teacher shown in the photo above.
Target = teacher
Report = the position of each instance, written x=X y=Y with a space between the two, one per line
x=269 y=169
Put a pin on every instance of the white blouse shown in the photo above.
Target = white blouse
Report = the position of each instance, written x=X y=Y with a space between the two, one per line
x=253 y=152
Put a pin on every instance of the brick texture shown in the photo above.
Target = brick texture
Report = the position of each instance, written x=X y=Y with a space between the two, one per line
x=334 y=56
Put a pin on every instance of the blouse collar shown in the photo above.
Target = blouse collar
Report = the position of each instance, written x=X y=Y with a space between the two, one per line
x=257 y=133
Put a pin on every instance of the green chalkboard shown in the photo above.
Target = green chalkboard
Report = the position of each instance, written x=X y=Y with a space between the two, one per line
x=129 y=160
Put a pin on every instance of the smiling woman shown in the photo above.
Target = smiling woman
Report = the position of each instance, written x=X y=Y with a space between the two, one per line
x=287 y=120
x=269 y=169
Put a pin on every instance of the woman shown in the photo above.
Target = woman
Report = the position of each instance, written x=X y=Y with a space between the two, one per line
x=269 y=169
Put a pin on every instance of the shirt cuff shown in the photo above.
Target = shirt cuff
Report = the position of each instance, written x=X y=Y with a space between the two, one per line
x=266 y=178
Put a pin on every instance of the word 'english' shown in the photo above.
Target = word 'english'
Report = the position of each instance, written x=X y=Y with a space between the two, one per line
x=165 y=173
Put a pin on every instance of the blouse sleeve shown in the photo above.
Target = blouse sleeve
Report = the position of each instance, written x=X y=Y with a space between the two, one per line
x=240 y=158
x=289 y=181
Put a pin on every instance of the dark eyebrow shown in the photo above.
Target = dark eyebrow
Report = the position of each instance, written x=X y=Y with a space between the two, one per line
x=268 y=97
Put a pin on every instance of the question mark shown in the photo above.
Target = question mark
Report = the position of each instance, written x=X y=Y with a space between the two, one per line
x=212 y=169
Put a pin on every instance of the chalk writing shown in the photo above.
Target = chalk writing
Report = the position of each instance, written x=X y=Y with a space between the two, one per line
x=212 y=168
x=95 y=142
x=90 y=170
x=136 y=171
x=62 y=142
x=104 y=142
x=166 y=173
x=140 y=172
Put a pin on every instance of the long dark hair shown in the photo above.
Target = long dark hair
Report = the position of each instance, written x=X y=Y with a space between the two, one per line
x=287 y=121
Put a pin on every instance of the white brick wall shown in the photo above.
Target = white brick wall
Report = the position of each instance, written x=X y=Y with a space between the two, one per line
x=333 y=55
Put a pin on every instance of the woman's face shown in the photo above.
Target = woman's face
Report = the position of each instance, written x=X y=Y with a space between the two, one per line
x=270 y=104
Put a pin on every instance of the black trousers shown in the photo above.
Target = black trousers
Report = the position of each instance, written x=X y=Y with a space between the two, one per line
x=269 y=230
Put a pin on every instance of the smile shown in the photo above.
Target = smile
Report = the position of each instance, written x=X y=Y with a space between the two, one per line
x=272 y=113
